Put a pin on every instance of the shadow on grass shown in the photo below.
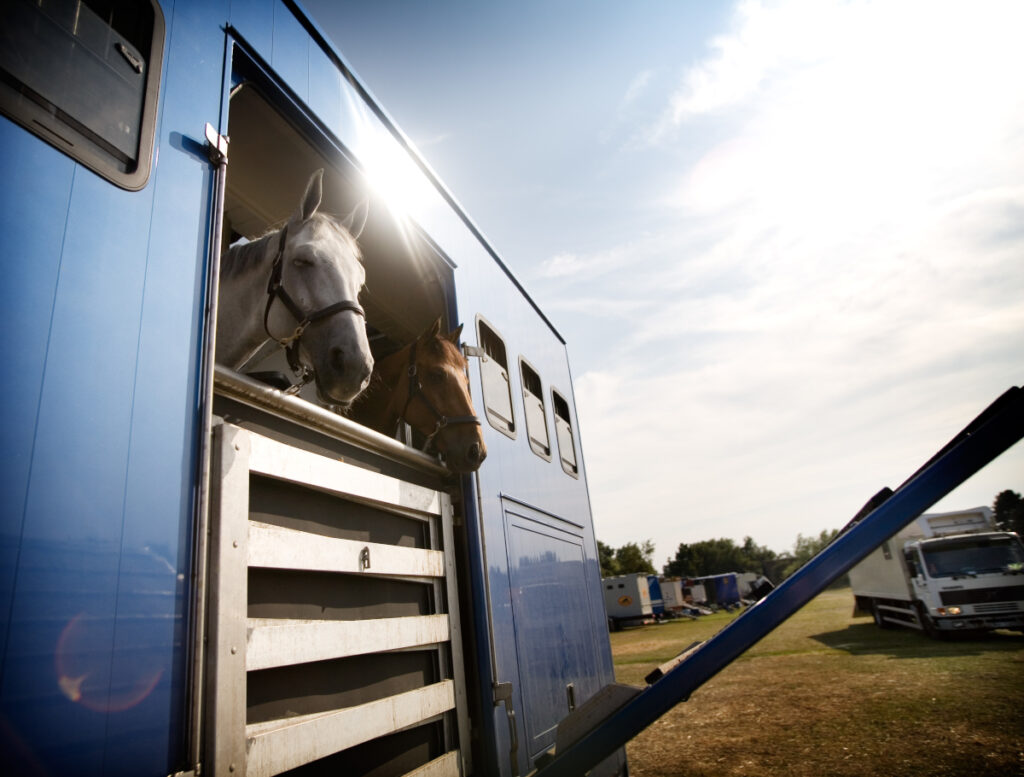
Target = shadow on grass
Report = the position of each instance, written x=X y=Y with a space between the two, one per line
x=868 y=639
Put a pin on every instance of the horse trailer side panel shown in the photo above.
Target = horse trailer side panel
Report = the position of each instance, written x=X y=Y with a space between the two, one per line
x=254 y=21
x=290 y=52
x=33 y=237
x=79 y=460
x=94 y=664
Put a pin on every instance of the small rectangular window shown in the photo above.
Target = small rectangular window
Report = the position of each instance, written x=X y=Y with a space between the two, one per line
x=886 y=550
x=84 y=76
x=497 y=388
x=536 y=417
x=563 y=433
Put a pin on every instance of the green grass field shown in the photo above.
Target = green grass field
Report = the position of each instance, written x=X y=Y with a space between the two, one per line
x=830 y=694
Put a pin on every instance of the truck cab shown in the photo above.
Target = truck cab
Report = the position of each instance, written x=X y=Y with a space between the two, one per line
x=970 y=581
x=953 y=572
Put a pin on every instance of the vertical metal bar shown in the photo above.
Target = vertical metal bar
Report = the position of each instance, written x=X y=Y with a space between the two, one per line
x=995 y=430
x=225 y=747
x=217 y=148
x=455 y=635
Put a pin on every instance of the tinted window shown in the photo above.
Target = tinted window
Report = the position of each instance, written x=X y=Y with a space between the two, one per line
x=497 y=389
x=563 y=433
x=84 y=76
x=536 y=417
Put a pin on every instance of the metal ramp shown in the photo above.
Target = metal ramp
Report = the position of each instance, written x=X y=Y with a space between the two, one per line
x=333 y=621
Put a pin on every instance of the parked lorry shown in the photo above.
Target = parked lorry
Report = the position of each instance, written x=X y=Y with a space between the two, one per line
x=944 y=572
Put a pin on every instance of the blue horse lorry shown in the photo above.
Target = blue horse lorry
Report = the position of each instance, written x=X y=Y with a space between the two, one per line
x=203 y=575
x=139 y=139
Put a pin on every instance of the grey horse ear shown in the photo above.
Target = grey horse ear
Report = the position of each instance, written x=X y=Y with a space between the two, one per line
x=311 y=199
x=355 y=222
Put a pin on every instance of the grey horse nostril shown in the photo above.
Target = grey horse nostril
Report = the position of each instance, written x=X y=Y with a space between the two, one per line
x=337 y=358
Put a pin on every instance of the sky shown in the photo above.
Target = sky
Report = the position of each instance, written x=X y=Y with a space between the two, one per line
x=784 y=241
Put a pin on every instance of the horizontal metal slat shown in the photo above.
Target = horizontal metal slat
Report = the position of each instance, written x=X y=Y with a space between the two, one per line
x=280 y=642
x=279 y=548
x=277 y=460
x=279 y=745
x=445 y=766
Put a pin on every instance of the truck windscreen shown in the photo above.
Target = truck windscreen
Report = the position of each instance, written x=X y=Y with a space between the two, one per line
x=974 y=556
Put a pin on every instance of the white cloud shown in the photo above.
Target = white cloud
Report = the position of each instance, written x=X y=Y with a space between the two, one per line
x=637 y=86
x=835 y=289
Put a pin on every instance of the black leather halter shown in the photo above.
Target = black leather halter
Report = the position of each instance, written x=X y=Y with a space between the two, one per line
x=276 y=290
x=416 y=392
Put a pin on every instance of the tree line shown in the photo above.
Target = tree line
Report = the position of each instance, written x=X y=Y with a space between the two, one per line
x=716 y=556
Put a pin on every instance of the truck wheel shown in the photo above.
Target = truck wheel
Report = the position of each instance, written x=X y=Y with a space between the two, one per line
x=877 y=615
x=927 y=624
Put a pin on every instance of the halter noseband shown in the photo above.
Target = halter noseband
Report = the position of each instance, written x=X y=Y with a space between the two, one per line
x=276 y=290
x=416 y=392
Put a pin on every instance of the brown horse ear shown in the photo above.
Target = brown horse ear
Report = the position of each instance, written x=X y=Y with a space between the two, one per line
x=432 y=331
x=311 y=199
x=453 y=336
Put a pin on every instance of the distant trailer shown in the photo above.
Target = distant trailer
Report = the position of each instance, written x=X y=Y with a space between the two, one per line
x=627 y=600
x=722 y=590
x=672 y=594
x=694 y=592
x=657 y=600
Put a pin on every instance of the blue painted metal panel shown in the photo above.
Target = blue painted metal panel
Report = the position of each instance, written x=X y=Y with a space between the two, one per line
x=654 y=587
x=96 y=586
x=326 y=93
x=153 y=594
x=76 y=488
x=554 y=625
x=33 y=236
x=291 y=51
x=254 y=21
x=518 y=472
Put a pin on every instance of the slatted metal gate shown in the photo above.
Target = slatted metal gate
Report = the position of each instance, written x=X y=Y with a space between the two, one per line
x=333 y=623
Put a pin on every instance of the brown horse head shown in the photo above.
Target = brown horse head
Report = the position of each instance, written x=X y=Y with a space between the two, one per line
x=428 y=383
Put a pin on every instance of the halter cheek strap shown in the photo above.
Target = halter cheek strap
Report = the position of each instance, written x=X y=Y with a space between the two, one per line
x=416 y=392
x=276 y=290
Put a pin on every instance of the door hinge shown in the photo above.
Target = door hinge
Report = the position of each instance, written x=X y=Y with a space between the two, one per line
x=217 y=145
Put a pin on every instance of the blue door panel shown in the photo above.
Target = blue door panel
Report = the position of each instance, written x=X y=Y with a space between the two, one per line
x=553 y=624
x=76 y=490
x=32 y=238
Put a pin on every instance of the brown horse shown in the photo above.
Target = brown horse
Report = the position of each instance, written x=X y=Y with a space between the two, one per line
x=426 y=384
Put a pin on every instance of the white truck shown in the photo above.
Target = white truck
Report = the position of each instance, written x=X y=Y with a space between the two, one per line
x=942 y=573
